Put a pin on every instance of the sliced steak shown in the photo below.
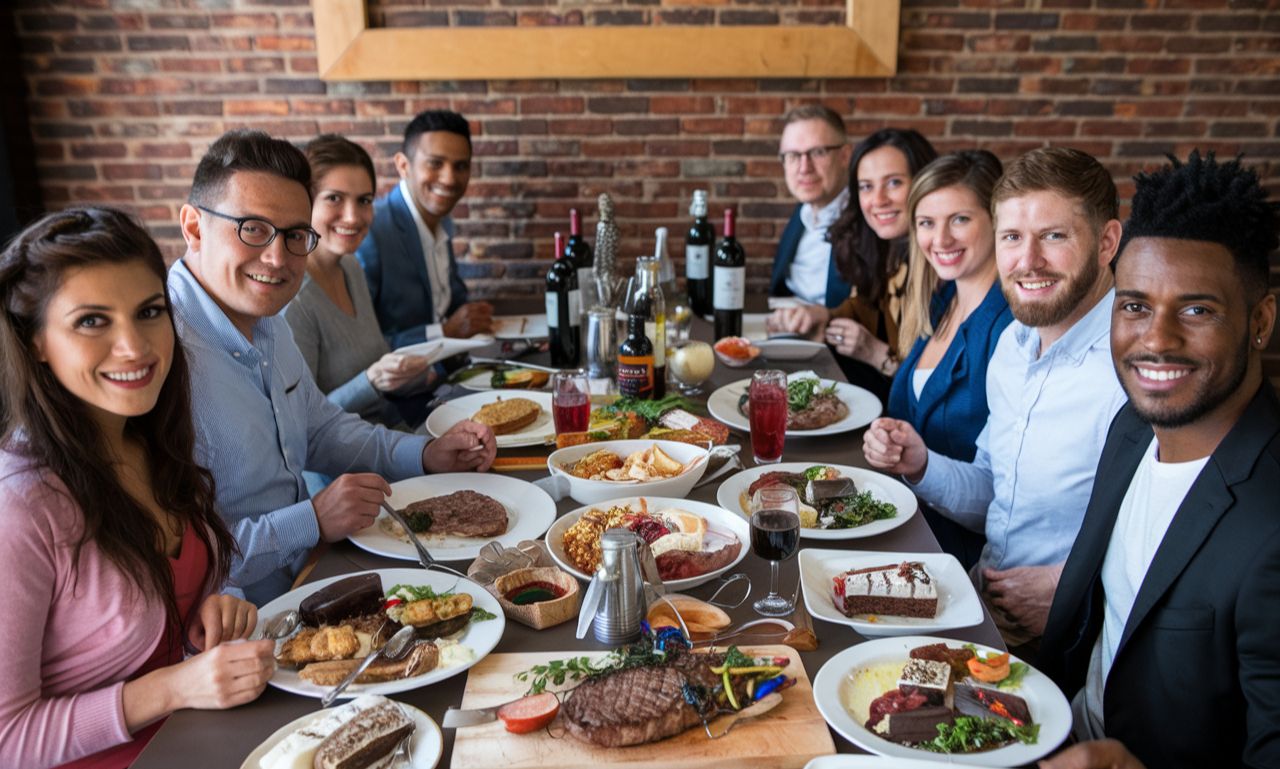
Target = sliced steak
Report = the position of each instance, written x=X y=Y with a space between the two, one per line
x=823 y=410
x=463 y=513
x=682 y=564
x=639 y=705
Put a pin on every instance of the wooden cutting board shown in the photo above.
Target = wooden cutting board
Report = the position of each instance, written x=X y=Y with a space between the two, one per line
x=787 y=736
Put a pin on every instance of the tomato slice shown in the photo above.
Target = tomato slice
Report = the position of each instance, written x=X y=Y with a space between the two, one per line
x=530 y=713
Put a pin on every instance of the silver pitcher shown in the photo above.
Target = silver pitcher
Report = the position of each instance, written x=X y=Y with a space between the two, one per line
x=615 y=602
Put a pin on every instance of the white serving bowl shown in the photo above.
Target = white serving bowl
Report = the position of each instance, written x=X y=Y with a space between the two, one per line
x=590 y=492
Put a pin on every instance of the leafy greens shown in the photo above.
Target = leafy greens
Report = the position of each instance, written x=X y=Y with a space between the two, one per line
x=969 y=734
x=801 y=392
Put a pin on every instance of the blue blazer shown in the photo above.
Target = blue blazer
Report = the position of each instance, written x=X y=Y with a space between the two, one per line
x=838 y=289
x=391 y=256
x=952 y=407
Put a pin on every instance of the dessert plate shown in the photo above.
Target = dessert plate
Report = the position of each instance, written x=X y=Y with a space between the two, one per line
x=958 y=603
x=530 y=510
x=863 y=408
x=479 y=637
x=720 y=523
x=843 y=702
x=450 y=413
x=426 y=745
x=882 y=487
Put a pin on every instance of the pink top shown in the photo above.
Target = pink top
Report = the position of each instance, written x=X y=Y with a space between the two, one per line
x=70 y=641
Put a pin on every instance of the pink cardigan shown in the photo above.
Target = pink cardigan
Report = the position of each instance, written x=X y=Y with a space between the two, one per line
x=67 y=642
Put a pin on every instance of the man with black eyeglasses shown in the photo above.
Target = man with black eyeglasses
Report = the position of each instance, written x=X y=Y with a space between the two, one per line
x=815 y=153
x=260 y=419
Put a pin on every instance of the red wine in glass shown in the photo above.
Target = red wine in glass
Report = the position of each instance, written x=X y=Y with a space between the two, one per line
x=775 y=536
x=571 y=412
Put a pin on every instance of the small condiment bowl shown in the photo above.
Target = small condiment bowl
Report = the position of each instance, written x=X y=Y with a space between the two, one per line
x=732 y=362
x=543 y=614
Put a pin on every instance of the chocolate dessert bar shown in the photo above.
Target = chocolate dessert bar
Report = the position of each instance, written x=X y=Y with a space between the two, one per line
x=902 y=590
x=928 y=678
x=919 y=725
x=985 y=702
x=344 y=599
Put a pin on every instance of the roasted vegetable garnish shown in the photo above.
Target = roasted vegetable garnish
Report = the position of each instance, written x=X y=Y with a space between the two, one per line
x=418 y=520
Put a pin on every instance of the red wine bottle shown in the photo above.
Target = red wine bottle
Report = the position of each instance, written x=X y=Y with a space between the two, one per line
x=578 y=250
x=697 y=256
x=729 y=279
x=563 y=309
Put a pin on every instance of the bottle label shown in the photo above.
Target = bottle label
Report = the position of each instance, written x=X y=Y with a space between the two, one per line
x=657 y=333
x=697 y=262
x=575 y=308
x=553 y=310
x=728 y=287
x=635 y=375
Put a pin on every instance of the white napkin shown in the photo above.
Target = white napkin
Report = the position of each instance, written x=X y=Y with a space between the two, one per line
x=439 y=349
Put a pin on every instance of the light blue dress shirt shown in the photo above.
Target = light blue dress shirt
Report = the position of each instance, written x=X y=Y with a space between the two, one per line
x=260 y=421
x=1030 y=481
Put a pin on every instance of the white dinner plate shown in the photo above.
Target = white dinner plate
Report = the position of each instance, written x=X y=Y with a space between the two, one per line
x=426 y=745
x=450 y=413
x=958 y=603
x=882 y=487
x=863 y=408
x=719 y=520
x=530 y=510
x=480 y=637
x=520 y=326
x=833 y=690
x=480 y=381
x=789 y=349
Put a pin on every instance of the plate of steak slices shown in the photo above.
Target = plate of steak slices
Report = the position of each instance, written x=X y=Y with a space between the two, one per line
x=456 y=514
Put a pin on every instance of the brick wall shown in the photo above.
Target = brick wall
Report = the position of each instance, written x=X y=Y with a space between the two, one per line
x=124 y=100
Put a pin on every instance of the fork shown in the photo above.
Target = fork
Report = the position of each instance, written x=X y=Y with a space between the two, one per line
x=403 y=754
x=424 y=557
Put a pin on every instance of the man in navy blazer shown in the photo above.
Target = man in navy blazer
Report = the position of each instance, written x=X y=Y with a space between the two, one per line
x=408 y=255
x=1165 y=626
x=815 y=153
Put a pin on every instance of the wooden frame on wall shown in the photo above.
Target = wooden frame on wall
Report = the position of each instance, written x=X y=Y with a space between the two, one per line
x=347 y=49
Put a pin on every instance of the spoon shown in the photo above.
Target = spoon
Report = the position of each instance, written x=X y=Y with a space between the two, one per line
x=394 y=649
x=281 y=625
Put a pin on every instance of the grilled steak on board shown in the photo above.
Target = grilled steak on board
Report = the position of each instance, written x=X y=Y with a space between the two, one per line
x=463 y=513
x=644 y=704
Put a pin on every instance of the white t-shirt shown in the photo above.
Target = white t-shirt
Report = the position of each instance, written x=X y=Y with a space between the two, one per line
x=435 y=252
x=807 y=278
x=1154 y=495
x=919 y=378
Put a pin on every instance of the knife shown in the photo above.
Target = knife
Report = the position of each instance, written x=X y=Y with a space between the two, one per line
x=456 y=718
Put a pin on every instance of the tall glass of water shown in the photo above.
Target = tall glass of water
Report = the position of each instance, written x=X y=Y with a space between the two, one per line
x=775 y=536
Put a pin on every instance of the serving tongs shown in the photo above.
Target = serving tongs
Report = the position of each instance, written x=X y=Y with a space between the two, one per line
x=424 y=557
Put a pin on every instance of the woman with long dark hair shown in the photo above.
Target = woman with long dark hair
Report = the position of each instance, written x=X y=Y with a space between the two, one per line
x=114 y=553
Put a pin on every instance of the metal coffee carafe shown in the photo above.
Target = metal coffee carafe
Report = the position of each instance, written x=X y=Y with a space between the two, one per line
x=615 y=602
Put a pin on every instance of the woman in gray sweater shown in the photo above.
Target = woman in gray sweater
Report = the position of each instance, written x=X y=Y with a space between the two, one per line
x=332 y=317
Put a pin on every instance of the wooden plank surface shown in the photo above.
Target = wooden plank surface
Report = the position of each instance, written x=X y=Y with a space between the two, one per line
x=787 y=736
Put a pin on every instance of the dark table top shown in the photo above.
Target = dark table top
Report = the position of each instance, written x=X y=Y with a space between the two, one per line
x=195 y=739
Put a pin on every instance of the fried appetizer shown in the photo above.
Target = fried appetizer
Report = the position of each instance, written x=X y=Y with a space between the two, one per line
x=432 y=610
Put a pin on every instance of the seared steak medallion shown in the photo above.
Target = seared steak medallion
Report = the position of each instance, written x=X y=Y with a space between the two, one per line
x=463 y=513
x=825 y=409
x=639 y=705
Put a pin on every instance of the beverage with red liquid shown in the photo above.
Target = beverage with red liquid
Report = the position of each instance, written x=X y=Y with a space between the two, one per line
x=775 y=534
x=570 y=401
x=767 y=409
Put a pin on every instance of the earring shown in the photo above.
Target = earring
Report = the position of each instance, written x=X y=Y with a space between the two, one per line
x=1259 y=341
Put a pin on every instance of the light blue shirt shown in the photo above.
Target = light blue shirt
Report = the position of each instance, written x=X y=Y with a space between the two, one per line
x=1030 y=481
x=260 y=421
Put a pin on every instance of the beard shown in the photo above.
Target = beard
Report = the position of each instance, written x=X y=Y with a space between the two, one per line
x=1153 y=409
x=1071 y=292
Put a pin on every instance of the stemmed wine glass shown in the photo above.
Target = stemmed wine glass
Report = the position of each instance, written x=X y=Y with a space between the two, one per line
x=775 y=535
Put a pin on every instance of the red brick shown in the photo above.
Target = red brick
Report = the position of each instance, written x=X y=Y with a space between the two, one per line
x=250 y=107
x=896 y=105
x=681 y=105
x=555 y=105
x=581 y=127
x=283 y=43
x=123 y=171
x=738 y=105
x=592 y=148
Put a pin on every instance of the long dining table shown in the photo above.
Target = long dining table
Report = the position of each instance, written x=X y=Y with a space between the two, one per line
x=205 y=739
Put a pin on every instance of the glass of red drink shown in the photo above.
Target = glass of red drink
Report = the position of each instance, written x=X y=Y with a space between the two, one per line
x=775 y=535
x=570 y=400
x=767 y=409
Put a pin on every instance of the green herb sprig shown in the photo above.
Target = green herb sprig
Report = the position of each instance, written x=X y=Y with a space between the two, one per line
x=415 y=593
x=481 y=615
x=856 y=510
x=969 y=734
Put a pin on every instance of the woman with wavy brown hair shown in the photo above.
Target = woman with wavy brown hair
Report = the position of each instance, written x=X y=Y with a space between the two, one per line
x=113 y=549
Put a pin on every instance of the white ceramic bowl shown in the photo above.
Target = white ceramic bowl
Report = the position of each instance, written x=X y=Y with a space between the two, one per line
x=720 y=522
x=590 y=492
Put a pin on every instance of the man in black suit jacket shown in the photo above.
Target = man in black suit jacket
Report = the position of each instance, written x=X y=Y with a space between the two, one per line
x=1165 y=628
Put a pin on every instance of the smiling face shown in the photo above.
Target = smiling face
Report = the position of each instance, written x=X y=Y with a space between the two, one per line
x=107 y=337
x=953 y=230
x=342 y=211
x=884 y=182
x=437 y=173
x=248 y=282
x=1182 y=330
x=816 y=181
x=1050 y=260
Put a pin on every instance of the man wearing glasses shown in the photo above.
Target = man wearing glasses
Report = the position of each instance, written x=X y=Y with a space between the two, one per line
x=815 y=153
x=260 y=419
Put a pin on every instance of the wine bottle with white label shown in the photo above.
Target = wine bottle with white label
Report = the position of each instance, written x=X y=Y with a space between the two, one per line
x=697 y=256
x=564 y=309
x=729 y=280
x=578 y=250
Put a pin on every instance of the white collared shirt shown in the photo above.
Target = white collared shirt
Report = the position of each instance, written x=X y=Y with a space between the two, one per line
x=435 y=252
x=807 y=277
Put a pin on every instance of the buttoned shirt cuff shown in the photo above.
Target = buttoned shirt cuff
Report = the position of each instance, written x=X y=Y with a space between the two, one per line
x=406 y=457
x=297 y=528
x=434 y=330
x=934 y=481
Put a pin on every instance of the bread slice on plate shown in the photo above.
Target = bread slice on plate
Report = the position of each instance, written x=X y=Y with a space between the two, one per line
x=509 y=415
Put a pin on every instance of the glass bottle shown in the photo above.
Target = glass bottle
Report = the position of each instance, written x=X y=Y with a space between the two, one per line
x=648 y=294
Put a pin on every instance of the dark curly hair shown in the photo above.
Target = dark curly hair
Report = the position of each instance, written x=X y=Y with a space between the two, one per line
x=1203 y=199
x=46 y=422
x=863 y=257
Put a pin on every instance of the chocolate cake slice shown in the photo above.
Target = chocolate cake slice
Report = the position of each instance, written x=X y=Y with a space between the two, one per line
x=902 y=590
x=365 y=739
x=985 y=702
x=919 y=725
x=346 y=598
x=928 y=678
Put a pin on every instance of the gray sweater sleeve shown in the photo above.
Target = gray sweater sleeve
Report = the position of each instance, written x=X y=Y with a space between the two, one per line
x=357 y=395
